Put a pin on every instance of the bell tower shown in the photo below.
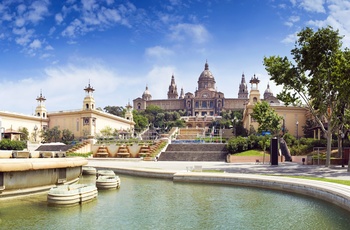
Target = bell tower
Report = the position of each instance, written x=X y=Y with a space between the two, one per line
x=40 y=110
x=254 y=95
x=243 y=89
x=89 y=101
x=128 y=112
x=172 y=93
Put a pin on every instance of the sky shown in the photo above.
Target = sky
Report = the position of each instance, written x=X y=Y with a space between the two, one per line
x=58 y=47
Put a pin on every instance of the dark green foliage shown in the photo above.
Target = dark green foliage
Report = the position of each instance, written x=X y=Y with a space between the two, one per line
x=79 y=154
x=67 y=136
x=7 y=144
x=267 y=118
x=300 y=149
x=289 y=139
x=24 y=133
x=309 y=128
x=51 y=135
x=237 y=144
x=115 y=110
x=253 y=142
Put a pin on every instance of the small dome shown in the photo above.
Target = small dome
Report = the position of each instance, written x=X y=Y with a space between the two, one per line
x=206 y=73
x=146 y=94
x=146 y=91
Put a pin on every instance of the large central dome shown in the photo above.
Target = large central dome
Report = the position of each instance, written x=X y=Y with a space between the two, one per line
x=206 y=79
x=206 y=73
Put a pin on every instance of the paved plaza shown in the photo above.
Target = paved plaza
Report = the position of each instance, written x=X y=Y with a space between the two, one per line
x=285 y=168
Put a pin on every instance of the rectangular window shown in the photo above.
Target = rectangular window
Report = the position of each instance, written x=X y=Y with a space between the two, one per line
x=62 y=175
x=2 y=187
x=77 y=124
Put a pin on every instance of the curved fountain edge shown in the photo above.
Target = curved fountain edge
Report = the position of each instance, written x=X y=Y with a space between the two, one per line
x=330 y=192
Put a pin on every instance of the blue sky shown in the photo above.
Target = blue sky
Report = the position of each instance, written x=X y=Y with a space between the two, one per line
x=122 y=46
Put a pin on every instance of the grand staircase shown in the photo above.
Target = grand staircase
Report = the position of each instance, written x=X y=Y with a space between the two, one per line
x=194 y=152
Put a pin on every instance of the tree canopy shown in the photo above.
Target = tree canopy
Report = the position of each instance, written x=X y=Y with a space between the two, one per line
x=267 y=118
x=318 y=77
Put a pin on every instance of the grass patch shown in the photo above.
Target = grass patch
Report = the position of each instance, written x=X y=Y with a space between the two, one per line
x=343 y=182
x=250 y=153
x=79 y=154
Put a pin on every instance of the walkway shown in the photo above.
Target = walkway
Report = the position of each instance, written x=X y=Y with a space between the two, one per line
x=286 y=168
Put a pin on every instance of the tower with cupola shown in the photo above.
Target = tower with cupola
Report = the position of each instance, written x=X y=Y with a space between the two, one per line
x=40 y=110
x=89 y=101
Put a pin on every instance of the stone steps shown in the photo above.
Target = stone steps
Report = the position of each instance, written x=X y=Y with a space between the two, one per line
x=194 y=152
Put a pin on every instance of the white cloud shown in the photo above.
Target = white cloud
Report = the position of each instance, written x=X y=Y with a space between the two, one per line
x=37 y=11
x=24 y=36
x=291 y=20
x=21 y=8
x=59 y=18
x=197 y=33
x=291 y=38
x=313 y=5
x=158 y=80
x=48 y=47
x=63 y=88
x=338 y=17
x=36 y=44
x=72 y=29
x=19 y=22
x=158 y=52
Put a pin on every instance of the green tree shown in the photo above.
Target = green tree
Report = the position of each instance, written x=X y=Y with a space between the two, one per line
x=49 y=135
x=67 y=136
x=267 y=118
x=24 y=133
x=151 y=113
x=115 y=110
x=309 y=127
x=318 y=77
x=264 y=142
x=141 y=122
x=106 y=132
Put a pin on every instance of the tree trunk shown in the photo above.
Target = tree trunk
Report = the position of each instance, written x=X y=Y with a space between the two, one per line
x=329 y=148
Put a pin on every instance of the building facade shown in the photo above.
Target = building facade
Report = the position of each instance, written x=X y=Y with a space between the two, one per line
x=86 y=122
x=205 y=101
x=294 y=117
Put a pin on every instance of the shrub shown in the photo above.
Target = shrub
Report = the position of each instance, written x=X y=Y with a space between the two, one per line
x=7 y=144
x=253 y=141
x=237 y=144
x=289 y=139
x=297 y=150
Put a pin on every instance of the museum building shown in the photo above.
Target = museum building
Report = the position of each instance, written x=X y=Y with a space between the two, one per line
x=206 y=100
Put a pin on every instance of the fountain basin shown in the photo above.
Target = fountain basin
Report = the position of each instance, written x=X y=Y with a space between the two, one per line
x=31 y=175
x=71 y=194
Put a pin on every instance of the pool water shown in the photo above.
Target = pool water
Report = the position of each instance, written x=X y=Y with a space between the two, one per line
x=143 y=203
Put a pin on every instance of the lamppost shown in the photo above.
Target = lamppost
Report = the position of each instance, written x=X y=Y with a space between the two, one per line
x=35 y=130
x=342 y=148
x=2 y=130
x=234 y=121
x=297 y=123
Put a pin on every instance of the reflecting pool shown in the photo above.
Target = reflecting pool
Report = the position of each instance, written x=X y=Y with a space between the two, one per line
x=143 y=203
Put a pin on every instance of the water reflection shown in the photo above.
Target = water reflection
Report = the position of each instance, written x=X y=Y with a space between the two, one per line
x=161 y=204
